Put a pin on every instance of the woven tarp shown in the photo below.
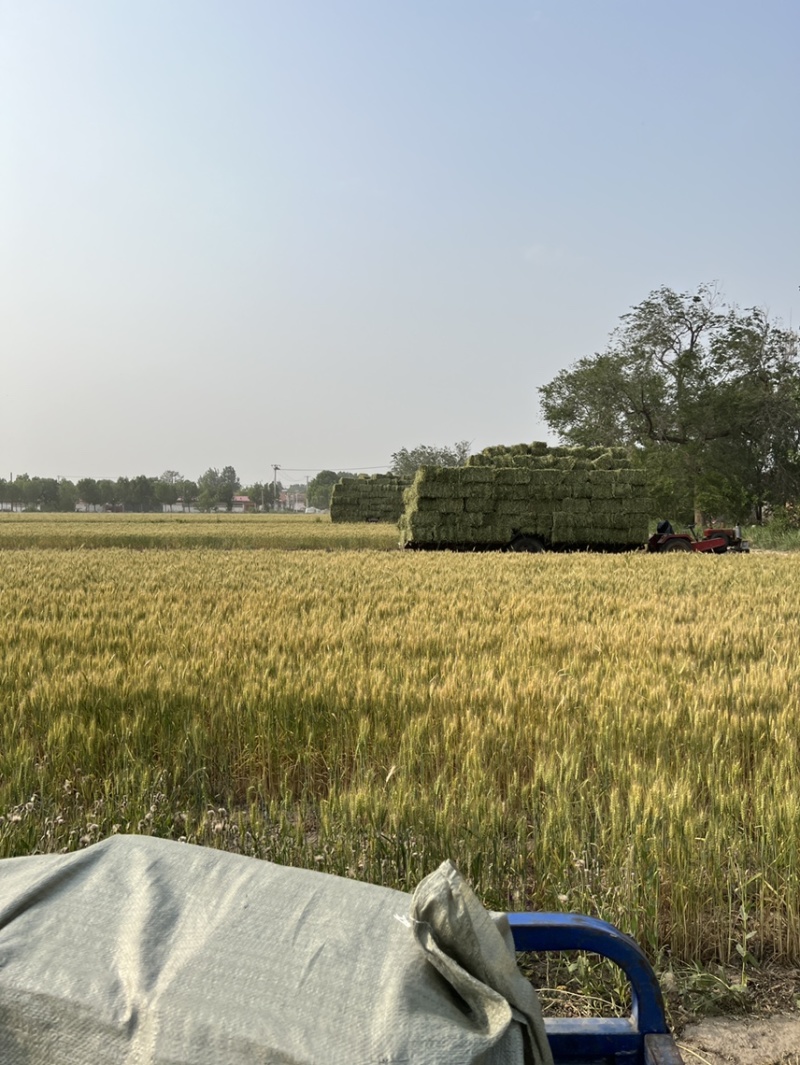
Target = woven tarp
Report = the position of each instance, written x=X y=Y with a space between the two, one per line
x=140 y=950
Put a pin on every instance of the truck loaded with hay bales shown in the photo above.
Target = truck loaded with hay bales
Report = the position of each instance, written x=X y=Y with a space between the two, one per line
x=529 y=497
x=374 y=499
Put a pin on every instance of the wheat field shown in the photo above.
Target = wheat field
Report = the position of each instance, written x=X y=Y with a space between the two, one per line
x=170 y=532
x=615 y=735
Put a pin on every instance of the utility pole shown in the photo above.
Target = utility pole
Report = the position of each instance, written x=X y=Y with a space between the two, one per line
x=275 y=469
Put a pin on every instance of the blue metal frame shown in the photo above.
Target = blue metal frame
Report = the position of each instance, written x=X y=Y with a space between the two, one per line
x=634 y=1040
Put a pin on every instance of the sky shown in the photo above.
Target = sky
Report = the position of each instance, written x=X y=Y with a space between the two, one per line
x=310 y=233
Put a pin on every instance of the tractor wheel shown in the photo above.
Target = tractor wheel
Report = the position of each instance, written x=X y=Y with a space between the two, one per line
x=676 y=545
x=723 y=550
x=527 y=543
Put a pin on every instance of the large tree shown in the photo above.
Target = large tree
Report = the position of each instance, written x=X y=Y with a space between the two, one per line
x=188 y=493
x=167 y=488
x=89 y=492
x=708 y=395
x=217 y=489
x=67 y=496
x=109 y=492
x=405 y=463
x=320 y=488
x=143 y=492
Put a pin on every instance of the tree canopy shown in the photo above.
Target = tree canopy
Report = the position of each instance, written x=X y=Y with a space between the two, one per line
x=405 y=463
x=217 y=489
x=321 y=487
x=708 y=394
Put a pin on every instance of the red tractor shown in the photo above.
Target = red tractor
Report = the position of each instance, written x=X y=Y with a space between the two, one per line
x=718 y=541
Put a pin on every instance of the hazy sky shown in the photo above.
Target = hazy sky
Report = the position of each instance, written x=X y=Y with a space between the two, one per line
x=312 y=232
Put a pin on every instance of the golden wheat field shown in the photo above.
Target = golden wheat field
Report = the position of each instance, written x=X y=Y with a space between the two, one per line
x=616 y=735
x=186 y=531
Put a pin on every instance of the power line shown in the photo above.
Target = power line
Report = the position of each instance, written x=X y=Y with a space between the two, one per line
x=312 y=469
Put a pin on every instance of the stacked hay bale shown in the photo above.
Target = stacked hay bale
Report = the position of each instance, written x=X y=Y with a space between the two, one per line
x=565 y=497
x=362 y=498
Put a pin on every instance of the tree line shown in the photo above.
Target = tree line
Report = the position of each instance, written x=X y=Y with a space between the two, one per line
x=214 y=489
x=706 y=394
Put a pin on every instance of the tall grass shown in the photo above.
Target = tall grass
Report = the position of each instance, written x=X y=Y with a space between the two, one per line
x=774 y=536
x=609 y=734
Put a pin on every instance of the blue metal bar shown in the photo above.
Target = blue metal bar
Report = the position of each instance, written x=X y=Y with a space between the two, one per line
x=594 y=1039
x=570 y=931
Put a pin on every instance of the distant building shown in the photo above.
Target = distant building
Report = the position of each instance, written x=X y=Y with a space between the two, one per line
x=242 y=505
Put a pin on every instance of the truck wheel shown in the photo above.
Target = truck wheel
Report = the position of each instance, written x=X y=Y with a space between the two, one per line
x=676 y=545
x=527 y=543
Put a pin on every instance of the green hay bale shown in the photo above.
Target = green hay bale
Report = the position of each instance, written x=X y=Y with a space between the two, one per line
x=440 y=506
x=544 y=474
x=604 y=462
x=478 y=506
x=521 y=453
x=439 y=490
x=464 y=526
x=472 y=520
x=483 y=493
x=631 y=477
x=503 y=455
x=476 y=475
x=428 y=475
x=432 y=480
x=517 y=493
x=500 y=532
x=607 y=461
x=576 y=464
x=513 y=476
x=422 y=530
x=546 y=494
x=560 y=492
x=512 y=509
x=602 y=479
x=562 y=527
x=575 y=506
x=545 y=482
x=541 y=514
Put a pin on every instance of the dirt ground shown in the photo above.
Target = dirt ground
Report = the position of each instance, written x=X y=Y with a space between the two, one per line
x=771 y=1040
